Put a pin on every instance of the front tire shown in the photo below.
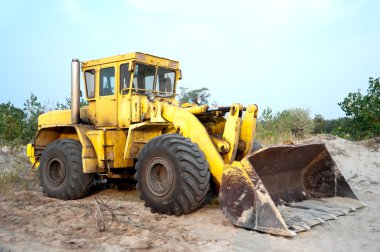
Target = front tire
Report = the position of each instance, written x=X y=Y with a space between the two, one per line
x=172 y=175
x=61 y=171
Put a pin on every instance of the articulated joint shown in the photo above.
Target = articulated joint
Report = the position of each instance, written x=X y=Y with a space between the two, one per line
x=222 y=146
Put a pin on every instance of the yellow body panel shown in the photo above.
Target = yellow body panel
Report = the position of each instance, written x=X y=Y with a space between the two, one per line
x=109 y=146
x=58 y=117
x=139 y=134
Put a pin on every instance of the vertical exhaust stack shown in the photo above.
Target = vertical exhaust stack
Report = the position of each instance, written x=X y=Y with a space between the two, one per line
x=75 y=91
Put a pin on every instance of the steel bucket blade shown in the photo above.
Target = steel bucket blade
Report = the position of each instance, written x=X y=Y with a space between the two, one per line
x=293 y=173
x=246 y=203
x=285 y=189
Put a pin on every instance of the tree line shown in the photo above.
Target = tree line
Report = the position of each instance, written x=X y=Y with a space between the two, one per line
x=19 y=125
x=362 y=118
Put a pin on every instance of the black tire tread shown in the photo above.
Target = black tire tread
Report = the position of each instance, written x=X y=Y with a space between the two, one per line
x=194 y=174
x=77 y=184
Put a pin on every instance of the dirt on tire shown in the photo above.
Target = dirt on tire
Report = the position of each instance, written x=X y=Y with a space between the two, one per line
x=61 y=172
x=172 y=175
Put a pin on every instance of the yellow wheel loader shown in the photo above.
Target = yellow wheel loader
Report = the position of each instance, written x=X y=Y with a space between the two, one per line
x=134 y=127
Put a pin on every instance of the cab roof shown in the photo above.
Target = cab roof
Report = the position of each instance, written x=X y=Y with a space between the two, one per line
x=138 y=56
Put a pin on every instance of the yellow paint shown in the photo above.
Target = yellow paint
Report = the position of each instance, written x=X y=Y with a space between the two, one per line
x=58 y=117
x=197 y=110
x=232 y=132
x=89 y=159
x=155 y=111
x=137 y=56
x=248 y=130
x=189 y=126
x=30 y=154
x=46 y=135
x=136 y=109
x=216 y=125
x=109 y=146
x=139 y=134
x=222 y=146
x=106 y=106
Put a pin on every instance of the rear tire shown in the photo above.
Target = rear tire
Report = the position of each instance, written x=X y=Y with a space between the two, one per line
x=61 y=171
x=172 y=175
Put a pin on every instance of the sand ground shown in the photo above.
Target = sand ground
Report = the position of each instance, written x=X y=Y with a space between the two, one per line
x=30 y=221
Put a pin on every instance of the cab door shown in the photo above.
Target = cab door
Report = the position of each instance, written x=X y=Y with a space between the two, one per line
x=106 y=104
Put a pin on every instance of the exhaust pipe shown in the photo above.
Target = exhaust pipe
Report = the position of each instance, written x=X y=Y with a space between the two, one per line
x=75 y=91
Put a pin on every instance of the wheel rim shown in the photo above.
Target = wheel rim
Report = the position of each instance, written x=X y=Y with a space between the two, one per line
x=159 y=177
x=56 y=171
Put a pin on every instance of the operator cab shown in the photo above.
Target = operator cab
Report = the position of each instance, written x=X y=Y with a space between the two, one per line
x=119 y=88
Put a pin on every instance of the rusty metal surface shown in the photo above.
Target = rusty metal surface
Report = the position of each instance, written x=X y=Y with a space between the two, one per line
x=298 y=172
x=246 y=202
x=285 y=189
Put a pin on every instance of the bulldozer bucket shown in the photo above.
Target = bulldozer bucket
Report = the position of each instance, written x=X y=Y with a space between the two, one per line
x=285 y=189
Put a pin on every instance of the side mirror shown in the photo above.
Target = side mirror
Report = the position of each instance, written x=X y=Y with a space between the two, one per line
x=80 y=93
x=180 y=74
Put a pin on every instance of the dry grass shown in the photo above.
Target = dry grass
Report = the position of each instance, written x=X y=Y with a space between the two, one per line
x=132 y=196
x=14 y=173
x=7 y=179
x=277 y=138
x=372 y=144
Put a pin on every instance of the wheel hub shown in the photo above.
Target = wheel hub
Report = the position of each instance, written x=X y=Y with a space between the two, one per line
x=57 y=171
x=160 y=176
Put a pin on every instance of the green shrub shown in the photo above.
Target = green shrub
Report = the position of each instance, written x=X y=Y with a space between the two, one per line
x=363 y=113
x=12 y=124
x=289 y=124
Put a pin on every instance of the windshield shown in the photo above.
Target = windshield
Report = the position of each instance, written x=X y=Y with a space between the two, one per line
x=151 y=78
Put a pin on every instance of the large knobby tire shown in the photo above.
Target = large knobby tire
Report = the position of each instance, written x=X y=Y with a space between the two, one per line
x=61 y=171
x=172 y=175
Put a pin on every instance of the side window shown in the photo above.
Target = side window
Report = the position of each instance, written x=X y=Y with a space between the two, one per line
x=107 y=81
x=89 y=76
x=165 y=81
x=125 y=77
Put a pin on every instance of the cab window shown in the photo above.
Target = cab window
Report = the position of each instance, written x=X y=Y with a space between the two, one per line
x=125 y=77
x=89 y=76
x=107 y=81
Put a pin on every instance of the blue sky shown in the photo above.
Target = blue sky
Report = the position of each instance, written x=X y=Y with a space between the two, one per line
x=275 y=53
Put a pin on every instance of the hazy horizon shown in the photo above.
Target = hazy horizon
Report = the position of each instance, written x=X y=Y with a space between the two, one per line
x=280 y=53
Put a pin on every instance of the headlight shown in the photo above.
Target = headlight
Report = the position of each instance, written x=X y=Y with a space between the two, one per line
x=150 y=96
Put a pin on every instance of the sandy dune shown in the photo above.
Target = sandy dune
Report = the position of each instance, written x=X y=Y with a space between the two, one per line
x=30 y=221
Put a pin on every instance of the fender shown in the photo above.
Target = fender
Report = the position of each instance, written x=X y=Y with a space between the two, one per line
x=46 y=135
